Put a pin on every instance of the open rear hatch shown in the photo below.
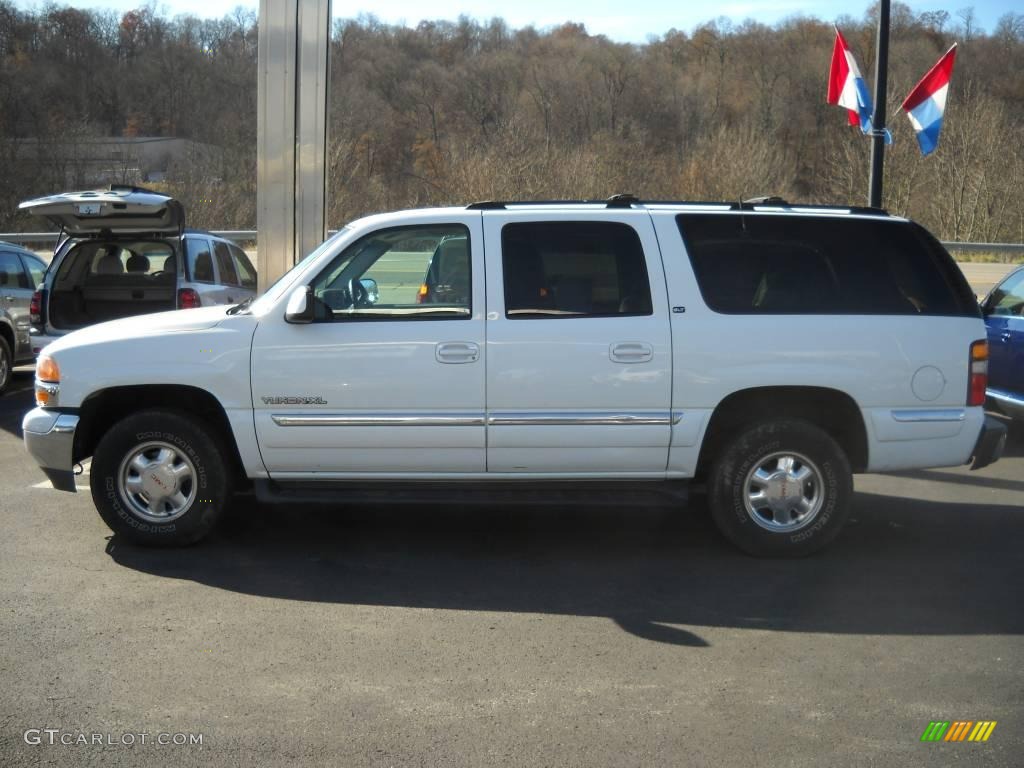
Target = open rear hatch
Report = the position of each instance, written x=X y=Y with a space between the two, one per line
x=115 y=211
x=123 y=258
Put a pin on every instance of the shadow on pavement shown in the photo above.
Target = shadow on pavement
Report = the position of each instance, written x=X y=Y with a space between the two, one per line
x=18 y=400
x=1014 y=449
x=902 y=566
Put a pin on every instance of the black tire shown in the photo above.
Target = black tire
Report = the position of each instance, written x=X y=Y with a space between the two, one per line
x=206 y=484
x=6 y=364
x=784 y=443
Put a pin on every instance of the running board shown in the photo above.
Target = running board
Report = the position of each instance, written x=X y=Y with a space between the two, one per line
x=467 y=493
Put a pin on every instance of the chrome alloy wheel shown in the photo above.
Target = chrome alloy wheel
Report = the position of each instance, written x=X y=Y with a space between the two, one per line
x=157 y=481
x=783 y=492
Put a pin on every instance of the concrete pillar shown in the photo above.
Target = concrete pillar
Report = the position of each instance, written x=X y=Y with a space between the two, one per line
x=291 y=178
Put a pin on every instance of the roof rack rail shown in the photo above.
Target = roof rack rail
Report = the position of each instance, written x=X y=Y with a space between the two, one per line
x=615 y=201
x=628 y=200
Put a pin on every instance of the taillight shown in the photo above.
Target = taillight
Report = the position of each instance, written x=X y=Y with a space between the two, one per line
x=187 y=298
x=978 y=373
x=35 y=308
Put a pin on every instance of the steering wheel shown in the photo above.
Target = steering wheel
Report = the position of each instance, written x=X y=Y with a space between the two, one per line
x=360 y=296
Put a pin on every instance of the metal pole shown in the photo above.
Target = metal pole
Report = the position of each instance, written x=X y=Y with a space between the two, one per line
x=291 y=135
x=878 y=119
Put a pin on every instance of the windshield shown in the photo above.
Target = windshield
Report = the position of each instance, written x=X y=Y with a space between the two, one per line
x=283 y=283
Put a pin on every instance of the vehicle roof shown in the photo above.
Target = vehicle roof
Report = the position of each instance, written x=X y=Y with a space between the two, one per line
x=207 y=233
x=16 y=247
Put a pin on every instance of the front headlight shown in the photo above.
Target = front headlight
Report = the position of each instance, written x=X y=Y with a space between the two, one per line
x=47 y=381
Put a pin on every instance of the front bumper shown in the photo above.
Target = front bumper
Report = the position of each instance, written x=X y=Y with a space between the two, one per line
x=991 y=443
x=50 y=438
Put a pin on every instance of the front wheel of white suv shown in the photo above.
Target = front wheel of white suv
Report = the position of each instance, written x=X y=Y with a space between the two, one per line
x=158 y=477
x=781 y=488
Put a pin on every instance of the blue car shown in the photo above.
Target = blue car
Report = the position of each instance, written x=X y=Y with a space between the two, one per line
x=1004 y=319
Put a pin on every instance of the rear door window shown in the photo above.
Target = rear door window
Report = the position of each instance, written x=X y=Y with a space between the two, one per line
x=200 y=260
x=785 y=264
x=246 y=272
x=11 y=273
x=225 y=265
x=573 y=269
x=36 y=270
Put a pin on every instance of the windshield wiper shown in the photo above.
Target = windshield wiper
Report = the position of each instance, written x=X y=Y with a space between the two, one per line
x=239 y=307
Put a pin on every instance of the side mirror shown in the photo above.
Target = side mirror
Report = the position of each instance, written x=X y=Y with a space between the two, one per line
x=300 y=306
x=372 y=291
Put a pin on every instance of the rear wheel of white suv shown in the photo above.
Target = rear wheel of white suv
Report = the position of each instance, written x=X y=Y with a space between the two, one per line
x=158 y=477
x=781 y=489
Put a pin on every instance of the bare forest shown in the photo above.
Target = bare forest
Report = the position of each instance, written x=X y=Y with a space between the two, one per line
x=451 y=112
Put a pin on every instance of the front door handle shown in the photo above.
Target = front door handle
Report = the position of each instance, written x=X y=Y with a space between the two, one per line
x=457 y=352
x=631 y=352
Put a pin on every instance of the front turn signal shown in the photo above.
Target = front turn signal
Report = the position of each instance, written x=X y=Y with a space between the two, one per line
x=47 y=381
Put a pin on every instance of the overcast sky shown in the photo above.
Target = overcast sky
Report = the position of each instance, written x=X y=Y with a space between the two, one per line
x=617 y=19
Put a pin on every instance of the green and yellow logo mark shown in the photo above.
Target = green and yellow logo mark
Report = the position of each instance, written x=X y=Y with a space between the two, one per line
x=958 y=730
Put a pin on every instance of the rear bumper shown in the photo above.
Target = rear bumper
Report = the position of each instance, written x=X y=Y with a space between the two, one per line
x=50 y=438
x=991 y=443
x=38 y=341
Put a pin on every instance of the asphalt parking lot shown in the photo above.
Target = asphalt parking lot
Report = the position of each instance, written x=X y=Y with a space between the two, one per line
x=549 y=636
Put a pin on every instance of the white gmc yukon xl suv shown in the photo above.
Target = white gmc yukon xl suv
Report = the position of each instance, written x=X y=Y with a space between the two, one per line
x=771 y=350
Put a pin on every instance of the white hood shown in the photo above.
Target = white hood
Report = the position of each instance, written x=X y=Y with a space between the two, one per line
x=178 y=321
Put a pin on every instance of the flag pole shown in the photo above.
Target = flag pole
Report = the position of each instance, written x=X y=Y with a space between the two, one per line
x=878 y=120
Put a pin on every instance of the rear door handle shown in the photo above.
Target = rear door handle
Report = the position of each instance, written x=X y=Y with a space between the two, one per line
x=457 y=352
x=631 y=352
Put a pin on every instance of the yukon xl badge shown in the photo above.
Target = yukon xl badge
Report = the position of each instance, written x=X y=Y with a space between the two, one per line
x=294 y=401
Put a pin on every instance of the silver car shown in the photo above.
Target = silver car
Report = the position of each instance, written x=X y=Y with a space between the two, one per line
x=21 y=273
x=125 y=251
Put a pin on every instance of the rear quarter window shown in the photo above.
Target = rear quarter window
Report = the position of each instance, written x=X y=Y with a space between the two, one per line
x=786 y=264
x=199 y=260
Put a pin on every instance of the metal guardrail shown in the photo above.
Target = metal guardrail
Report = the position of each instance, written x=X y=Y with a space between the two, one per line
x=985 y=247
x=21 y=238
x=249 y=235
